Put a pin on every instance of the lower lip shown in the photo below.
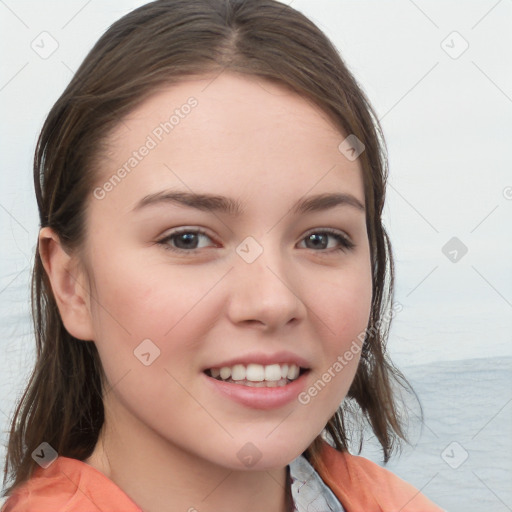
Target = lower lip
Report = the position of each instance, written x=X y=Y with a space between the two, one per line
x=260 y=398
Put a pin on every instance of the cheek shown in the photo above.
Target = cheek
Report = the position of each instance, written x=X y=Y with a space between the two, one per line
x=343 y=311
x=145 y=322
x=137 y=301
x=343 y=304
x=143 y=298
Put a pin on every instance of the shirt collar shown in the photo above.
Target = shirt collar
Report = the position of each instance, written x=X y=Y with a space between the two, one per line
x=308 y=490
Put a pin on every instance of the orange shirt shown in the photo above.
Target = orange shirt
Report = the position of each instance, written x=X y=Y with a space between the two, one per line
x=70 y=485
x=363 y=486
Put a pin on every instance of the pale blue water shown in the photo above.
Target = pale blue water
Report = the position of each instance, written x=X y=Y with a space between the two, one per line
x=467 y=403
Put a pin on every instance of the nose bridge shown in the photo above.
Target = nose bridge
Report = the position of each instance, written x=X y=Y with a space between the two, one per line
x=263 y=287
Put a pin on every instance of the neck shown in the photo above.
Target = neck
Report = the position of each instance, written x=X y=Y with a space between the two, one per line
x=160 y=476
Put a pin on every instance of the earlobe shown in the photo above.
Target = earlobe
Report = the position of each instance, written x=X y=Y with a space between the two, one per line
x=69 y=286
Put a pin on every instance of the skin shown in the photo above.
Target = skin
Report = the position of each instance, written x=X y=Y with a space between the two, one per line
x=169 y=441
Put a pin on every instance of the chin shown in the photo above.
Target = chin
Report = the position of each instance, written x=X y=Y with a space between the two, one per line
x=265 y=454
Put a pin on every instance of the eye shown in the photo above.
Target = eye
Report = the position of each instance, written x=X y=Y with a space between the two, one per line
x=319 y=239
x=186 y=240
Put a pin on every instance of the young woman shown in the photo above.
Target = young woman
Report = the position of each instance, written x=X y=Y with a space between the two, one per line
x=212 y=278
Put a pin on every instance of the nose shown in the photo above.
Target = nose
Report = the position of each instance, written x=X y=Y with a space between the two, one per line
x=265 y=292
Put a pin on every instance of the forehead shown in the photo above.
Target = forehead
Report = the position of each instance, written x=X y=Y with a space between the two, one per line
x=227 y=133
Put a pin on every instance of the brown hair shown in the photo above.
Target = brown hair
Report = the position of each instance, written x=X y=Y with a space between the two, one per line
x=151 y=47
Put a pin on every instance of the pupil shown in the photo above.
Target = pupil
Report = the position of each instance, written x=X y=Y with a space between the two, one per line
x=187 y=237
x=316 y=237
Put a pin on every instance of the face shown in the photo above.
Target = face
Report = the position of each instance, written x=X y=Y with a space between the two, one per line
x=266 y=282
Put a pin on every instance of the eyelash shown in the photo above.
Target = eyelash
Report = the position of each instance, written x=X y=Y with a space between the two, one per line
x=345 y=243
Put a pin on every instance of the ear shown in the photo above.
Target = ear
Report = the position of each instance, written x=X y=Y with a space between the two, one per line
x=69 y=285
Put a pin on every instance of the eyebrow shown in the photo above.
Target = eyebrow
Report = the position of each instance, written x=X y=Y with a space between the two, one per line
x=223 y=204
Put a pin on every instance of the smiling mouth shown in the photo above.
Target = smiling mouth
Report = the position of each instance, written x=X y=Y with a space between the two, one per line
x=256 y=375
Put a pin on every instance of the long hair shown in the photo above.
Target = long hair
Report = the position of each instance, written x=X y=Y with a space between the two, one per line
x=153 y=47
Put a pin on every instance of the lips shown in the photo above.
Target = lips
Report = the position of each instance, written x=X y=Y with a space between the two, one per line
x=263 y=395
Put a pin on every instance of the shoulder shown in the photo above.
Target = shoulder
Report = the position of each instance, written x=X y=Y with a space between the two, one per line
x=69 y=485
x=361 y=485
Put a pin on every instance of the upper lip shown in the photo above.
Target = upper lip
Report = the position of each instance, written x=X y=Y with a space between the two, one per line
x=283 y=357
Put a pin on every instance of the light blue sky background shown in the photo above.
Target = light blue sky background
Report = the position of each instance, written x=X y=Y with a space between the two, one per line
x=447 y=119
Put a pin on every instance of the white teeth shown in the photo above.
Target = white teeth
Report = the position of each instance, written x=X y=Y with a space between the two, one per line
x=276 y=374
x=273 y=372
x=238 y=372
x=252 y=384
x=225 y=372
x=255 y=373
x=293 y=372
x=262 y=384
